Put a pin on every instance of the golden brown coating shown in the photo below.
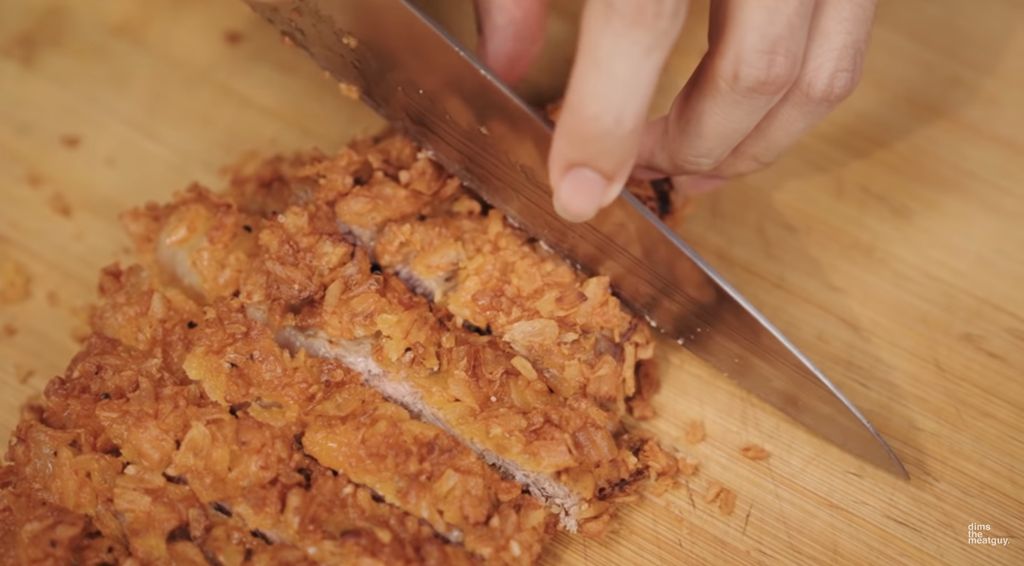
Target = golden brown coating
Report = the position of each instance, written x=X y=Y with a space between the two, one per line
x=125 y=446
x=260 y=390
x=321 y=293
x=348 y=427
x=493 y=277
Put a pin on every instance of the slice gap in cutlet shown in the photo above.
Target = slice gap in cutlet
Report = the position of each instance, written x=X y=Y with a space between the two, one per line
x=420 y=224
x=320 y=293
x=488 y=274
x=335 y=418
x=164 y=508
x=351 y=428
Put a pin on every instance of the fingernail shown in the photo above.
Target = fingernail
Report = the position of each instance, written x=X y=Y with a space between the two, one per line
x=696 y=184
x=579 y=194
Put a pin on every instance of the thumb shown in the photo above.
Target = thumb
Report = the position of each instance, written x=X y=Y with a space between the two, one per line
x=622 y=48
x=511 y=35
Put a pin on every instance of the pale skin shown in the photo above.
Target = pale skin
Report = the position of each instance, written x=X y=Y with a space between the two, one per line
x=773 y=69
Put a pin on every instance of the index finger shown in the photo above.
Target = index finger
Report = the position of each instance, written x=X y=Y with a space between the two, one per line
x=622 y=48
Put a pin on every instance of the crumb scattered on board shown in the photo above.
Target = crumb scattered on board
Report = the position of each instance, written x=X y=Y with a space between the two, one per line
x=754 y=452
x=349 y=90
x=695 y=432
x=80 y=329
x=714 y=490
x=233 y=36
x=34 y=180
x=59 y=204
x=15 y=282
x=725 y=497
x=350 y=41
x=70 y=141
x=688 y=467
x=23 y=374
x=727 y=502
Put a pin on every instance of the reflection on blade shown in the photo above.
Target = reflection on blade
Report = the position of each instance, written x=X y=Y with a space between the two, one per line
x=412 y=74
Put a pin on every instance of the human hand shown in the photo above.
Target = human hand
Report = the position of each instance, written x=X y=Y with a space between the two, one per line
x=772 y=70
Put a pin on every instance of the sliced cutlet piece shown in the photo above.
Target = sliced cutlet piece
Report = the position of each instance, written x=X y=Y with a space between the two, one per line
x=349 y=427
x=34 y=530
x=141 y=409
x=323 y=295
x=422 y=226
x=492 y=276
x=339 y=421
x=569 y=451
x=136 y=511
x=382 y=179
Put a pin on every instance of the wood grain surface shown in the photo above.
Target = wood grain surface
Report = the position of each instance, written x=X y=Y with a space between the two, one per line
x=889 y=244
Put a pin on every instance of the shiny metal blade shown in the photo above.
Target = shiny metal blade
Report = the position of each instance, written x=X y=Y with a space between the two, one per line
x=407 y=69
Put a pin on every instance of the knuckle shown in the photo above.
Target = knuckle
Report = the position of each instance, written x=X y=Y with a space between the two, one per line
x=831 y=87
x=768 y=74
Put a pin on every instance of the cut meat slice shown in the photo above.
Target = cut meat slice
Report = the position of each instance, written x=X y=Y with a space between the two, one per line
x=125 y=440
x=350 y=428
x=489 y=275
x=342 y=423
x=321 y=294
x=195 y=426
x=419 y=224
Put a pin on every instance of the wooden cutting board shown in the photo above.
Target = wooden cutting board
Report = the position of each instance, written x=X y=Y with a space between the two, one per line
x=889 y=243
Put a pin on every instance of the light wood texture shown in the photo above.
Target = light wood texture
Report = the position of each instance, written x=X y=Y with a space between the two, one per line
x=889 y=244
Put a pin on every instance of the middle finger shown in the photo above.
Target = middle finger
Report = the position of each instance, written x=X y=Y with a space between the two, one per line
x=755 y=53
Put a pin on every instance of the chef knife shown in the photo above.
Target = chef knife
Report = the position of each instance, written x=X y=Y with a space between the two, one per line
x=411 y=72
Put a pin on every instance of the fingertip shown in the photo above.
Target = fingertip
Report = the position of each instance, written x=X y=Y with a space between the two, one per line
x=580 y=194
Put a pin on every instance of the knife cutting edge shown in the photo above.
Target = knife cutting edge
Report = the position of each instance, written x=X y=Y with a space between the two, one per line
x=408 y=70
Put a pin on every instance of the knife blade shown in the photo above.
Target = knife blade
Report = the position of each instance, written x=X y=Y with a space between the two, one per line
x=408 y=70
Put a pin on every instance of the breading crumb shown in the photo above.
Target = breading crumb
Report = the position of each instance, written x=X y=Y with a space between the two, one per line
x=727 y=502
x=70 y=141
x=754 y=452
x=688 y=467
x=34 y=180
x=233 y=36
x=350 y=41
x=725 y=497
x=349 y=90
x=714 y=491
x=59 y=205
x=15 y=282
x=695 y=433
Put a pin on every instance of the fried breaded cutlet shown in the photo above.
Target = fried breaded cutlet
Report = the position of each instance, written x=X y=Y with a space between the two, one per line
x=340 y=359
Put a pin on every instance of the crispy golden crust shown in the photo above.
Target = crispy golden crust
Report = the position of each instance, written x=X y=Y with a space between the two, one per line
x=491 y=276
x=195 y=427
x=437 y=239
x=126 y=445
x=304 y=278
x=349 y=427
x=60 y=504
